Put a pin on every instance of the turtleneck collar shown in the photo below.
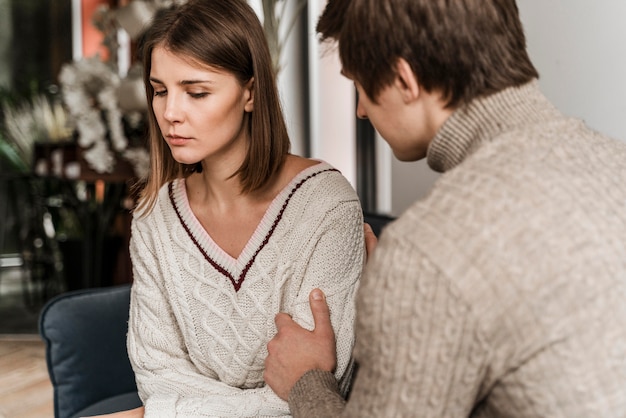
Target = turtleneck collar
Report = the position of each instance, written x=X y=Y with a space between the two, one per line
x=483 y=119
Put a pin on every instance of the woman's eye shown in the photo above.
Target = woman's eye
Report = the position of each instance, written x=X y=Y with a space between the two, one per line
x=159 y=93
x=198 y=95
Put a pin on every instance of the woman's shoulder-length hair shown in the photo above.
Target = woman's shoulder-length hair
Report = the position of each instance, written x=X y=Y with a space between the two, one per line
x=227 y=35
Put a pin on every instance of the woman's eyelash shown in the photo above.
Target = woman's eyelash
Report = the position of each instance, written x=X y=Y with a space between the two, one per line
x=158 y=93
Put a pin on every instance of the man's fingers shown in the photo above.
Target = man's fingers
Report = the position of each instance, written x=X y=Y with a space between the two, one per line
x=282 y=319
x=294 y=350
x=370 y=239
x=321 y=313
x=321 y=317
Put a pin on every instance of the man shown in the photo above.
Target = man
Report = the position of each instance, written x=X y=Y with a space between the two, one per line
x=503 y=292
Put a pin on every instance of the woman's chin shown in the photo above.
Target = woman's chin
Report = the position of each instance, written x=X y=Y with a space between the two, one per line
x=184 y=159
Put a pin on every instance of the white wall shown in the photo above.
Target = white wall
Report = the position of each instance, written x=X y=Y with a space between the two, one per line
x=331 y=103
x=292 y=84
x=579 y=49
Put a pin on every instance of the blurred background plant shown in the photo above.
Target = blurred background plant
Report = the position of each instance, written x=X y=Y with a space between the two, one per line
x=26 y=123
x=278 y=24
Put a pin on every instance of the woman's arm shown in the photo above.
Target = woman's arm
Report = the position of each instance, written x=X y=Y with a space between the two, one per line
x=335 y=266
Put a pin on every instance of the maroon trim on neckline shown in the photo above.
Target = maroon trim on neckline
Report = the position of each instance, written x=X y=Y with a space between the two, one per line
x=237 y=283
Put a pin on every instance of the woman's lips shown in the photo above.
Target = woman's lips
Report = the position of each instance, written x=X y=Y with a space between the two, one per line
x=177 y=140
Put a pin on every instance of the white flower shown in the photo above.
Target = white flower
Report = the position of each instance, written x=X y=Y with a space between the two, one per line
x=91 y=129
x=140 y=159
x=90 y=92
x=100 y=158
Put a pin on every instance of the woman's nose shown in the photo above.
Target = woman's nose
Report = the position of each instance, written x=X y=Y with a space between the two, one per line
x=173 y=112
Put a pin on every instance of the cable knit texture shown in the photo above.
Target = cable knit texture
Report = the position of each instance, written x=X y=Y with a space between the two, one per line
x=200 y=320
x=503 y=292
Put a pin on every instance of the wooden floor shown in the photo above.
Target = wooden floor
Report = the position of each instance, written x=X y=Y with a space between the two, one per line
x=25 y=388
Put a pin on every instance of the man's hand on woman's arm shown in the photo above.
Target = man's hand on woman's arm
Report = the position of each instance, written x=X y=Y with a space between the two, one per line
x=295 y=350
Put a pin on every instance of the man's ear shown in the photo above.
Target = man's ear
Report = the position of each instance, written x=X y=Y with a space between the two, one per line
x=406 y=81
x=249 y=87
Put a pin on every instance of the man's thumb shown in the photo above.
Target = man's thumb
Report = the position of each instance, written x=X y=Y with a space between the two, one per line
x=320 y=311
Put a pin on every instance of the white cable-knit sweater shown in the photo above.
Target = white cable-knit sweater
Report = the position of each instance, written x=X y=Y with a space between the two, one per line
x=200 y=319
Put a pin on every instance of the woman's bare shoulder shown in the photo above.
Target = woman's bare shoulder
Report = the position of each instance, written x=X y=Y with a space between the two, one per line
x=294 y=164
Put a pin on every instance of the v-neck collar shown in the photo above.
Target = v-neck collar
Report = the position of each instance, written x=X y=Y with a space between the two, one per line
x=236 y=269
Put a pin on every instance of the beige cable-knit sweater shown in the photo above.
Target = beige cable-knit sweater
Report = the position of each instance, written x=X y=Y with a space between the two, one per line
x=200 y=320
x=503 y=292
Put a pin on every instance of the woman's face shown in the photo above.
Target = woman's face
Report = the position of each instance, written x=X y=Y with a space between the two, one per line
x=200 y=110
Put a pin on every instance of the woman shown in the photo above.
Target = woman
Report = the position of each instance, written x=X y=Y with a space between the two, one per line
x=231 y=228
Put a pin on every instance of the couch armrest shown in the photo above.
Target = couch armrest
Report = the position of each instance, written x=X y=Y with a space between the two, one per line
x=85 y=335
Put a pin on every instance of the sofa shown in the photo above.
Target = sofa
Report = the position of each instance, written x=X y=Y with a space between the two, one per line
x=85 y=336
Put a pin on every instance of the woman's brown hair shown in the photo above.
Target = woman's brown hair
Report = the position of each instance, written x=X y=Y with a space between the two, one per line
x=463 y=48
x=227 y=35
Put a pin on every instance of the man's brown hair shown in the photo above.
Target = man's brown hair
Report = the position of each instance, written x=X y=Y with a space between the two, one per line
x=462 y=48
x=227 y=35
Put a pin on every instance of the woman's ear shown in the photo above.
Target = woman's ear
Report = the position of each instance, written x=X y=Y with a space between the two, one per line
x=406 y=81
x=249 y=91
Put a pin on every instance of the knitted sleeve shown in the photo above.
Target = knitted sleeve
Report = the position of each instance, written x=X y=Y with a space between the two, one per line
x=335 y=266
x=162 y=366
x=419 y=348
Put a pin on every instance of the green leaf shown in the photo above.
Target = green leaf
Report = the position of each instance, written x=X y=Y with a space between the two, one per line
x=8 y=154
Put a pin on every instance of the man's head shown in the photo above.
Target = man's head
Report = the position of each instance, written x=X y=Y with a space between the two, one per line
x=462 y=49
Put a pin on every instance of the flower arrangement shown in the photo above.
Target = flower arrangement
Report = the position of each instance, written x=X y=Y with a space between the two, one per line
x=90 y=92
x=89 y=112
